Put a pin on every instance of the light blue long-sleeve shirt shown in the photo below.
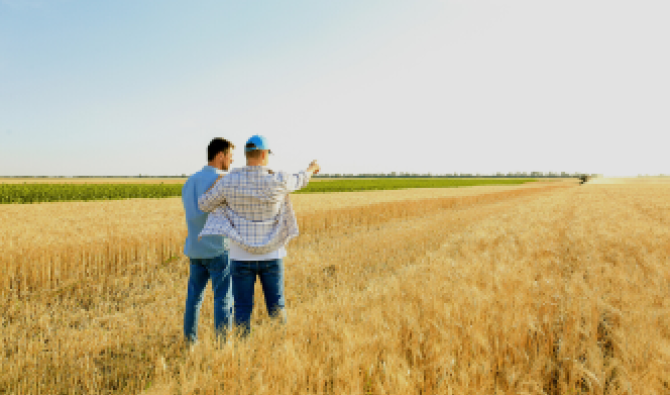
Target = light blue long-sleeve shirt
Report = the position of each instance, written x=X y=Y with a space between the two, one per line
x=208 y=246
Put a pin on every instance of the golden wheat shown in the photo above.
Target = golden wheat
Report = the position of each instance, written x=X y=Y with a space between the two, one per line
x=46 y=246
x=544 y=290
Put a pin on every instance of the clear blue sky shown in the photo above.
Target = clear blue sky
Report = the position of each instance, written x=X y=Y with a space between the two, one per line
x=127 y=87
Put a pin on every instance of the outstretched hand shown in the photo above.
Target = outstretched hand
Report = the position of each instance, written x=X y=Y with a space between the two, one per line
x=314 y=167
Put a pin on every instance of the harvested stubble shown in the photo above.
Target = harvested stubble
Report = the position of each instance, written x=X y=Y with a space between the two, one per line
x=558 y=291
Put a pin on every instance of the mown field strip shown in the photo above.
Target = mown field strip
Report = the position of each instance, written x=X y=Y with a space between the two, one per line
x=305 y=203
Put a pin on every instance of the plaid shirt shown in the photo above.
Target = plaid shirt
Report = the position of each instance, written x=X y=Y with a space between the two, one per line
x=251 y=207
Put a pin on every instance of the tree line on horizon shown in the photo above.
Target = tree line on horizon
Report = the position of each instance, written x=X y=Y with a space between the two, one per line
x=534 y=174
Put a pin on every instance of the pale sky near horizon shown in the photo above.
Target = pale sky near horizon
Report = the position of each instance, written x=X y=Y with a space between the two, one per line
x=364 y=86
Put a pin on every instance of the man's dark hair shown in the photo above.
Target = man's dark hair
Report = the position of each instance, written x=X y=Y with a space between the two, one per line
x=218 y=145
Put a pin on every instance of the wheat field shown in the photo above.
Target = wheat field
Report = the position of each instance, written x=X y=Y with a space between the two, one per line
x=55 y=245
x=549 y=288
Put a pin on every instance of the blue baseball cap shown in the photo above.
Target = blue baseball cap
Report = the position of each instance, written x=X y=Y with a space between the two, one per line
x=258 y=142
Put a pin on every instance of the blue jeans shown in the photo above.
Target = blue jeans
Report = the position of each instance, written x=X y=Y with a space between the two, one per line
x=271 y=274
x=201 y=270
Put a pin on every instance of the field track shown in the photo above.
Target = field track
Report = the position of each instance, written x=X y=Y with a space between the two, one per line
x=537 y=289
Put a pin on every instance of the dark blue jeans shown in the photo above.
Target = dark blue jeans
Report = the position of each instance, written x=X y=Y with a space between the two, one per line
x=271 y=274
x=201 y=270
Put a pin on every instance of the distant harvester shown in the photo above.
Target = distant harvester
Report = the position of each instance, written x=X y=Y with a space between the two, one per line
x=584 y=179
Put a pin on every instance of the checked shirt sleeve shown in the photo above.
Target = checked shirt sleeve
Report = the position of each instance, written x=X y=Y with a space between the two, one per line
x=213 y=198
x=294 y=182
x=256 y=213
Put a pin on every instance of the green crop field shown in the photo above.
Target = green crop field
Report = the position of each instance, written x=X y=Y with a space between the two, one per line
x=404 y=183
x=38 y=193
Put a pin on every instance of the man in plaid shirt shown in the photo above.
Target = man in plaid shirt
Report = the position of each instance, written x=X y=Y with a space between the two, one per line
x=250 y=206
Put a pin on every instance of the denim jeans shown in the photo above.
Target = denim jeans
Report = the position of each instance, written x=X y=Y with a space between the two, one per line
x=201 y=270
x=271 y=274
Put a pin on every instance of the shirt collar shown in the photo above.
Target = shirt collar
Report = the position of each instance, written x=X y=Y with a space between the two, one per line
x=214 y=169
x=255 y=168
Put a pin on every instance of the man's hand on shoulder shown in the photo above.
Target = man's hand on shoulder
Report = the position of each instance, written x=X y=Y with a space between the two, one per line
x=217 y=180
x=208 y=202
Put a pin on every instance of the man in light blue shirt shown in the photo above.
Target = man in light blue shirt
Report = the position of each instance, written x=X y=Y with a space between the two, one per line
x=209 y=255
